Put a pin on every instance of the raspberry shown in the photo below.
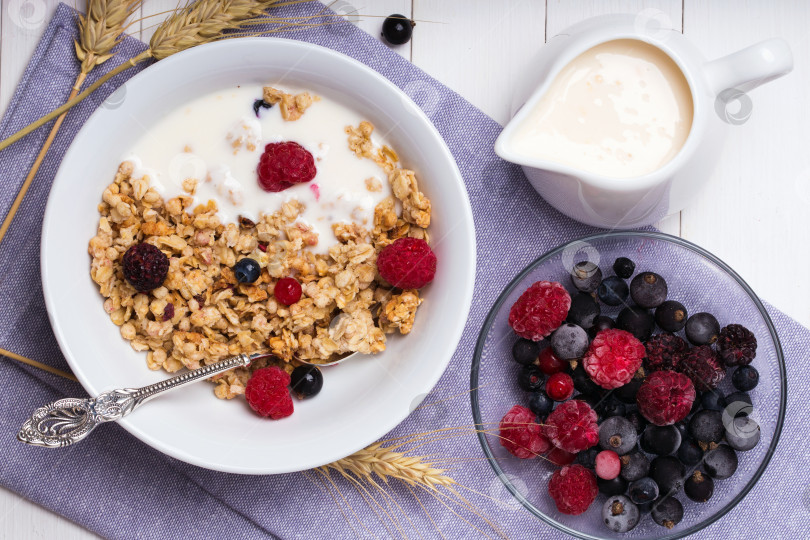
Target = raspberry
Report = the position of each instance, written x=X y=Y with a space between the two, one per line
x=664 y=352
x=613 y=358
x=573 y=489
x=521 y=435
x=540 y=310
x=702 y=366
x=572 y=426
x=408 y=263
x=560 y=457
x=665 y=397
x=145 y=267
x=287 y=291
x=736 y=345
x=268 y=394
x=283 y=165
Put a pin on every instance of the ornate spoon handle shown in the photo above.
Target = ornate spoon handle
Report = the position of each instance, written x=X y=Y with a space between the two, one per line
x=69 y=420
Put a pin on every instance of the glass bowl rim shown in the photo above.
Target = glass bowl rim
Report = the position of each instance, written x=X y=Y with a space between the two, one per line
x=479 y=346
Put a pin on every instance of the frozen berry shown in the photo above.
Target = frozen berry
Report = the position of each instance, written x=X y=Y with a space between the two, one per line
x=287 y=291
x=617 y=486
x=648 y=290
x=613 y=358
x=635 y=466
x=560 y=457
x=613 y=291
x=618 y=434
x=583 y=382
x=260 y=104
x=620 y=514
x=668 y=473
x=586 y=276
x=643 y=490
x=247 y=270
x=540 y=310
x=284 y=164
x=602 y=322
x=530 y=378
x=736 y=345
x=702 y=329
x=667 y=512
x=583 y=311
x=572 y=426
x=702 y=366
x=268 y=394
x=549 y=363
x=560 y=386
x=525 y=351
x=712 y=400
x=707 y=427
x=739 y=404
x=690 y=453
x=666 y=397
x=664 y=352
x=608 y=465
x=569 y=341
x=306 y=381
x=661 y=440
x=145 y=267
x=636 y=320
x=721 y=463
x=611 y=406
x=397 y=29
x=540 y=404
x=671 y=316
x=408 y=263
x=573 y=489
x=521 y=434
x=628 y=392
x=587 y=458
x=638 y=421
x=624 y=267
x=745 y=378
x=699 y=487
x=742 y=434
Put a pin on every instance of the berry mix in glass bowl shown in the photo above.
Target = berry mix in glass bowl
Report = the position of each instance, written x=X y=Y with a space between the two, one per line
x=633 y=382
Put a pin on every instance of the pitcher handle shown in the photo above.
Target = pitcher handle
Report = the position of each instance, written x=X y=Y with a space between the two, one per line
x=748 y=68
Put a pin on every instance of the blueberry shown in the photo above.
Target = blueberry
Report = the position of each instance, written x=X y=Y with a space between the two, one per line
x=661 y=440
x=627 y=393
x=618 y=434
x=602 y=322
x=702 y=329
x=690 y=453
x=306 y=381
x=587 y=458
x=739 y=404
x=620 y=514
x=699 y=487
x=648 y=290
x=624 y=267
x=569 y=341
x=583 y=382
x=584 y=310
x=707 y=427
x=397 y=29
x=742 y=434
x=617 y=486
x=613 y=291
x=638 y=421
x=638 y=321
x=586 y=276
x=668 y=473
x=247 y=270
x=635 y=465
x=530 y=378
x=745 y=378
x=712 y=400
x=260 y=104
x=643 y=490
x=525 y=351
x=671 y=316
x=721 y=462
x=540 y=404
x=667 y=512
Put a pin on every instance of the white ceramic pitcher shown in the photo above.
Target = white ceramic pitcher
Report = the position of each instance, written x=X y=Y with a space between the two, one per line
x=634 y=202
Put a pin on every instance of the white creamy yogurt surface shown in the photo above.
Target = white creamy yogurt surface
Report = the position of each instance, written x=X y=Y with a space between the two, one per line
x=218 y=140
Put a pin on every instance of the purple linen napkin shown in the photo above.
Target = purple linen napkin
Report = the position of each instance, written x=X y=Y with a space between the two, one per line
x=120 y=488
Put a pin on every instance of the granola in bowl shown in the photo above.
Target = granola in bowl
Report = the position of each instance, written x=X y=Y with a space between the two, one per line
x=322 y=232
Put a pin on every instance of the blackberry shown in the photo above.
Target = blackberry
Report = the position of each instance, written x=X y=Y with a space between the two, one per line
x=602 y=322
x=736 y=345
x=636 y=320
x=145 y=267
x=634 y=466
x=530 y=378
x=668 y=473
x=745 y=378
x=617 y=434
x=702 y=366
x=667 y=512
x=643 y=490
x=617 y=486
x=586 y=276
x=540 y=404
x=397 y=29
x=306 y=381
x=638 y=421
x=671 y=316
x=702 y=329
x=712 y=401
x=739 y=404
x=627 y=393
x=587 y=458
x=721 y=463
x=690 y=453
x=648 y=290
x=699 y=487
x=584 y=310
x=569 y=341
x=613 y=291
x=664 y=352
x=525 y=351
x=620 y=514
x=707 y=427
x=624 y=267
x=247 y=270
x=661 y=440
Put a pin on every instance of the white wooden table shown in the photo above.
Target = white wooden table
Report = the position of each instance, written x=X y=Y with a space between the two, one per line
x=752 y=214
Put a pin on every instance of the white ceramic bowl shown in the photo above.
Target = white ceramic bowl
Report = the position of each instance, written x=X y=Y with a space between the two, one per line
x=362 y=399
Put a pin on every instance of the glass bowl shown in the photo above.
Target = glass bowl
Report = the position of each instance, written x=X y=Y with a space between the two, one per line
x=701 y=282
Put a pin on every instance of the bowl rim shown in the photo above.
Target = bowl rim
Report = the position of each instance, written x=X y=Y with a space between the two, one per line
x=493 y=312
